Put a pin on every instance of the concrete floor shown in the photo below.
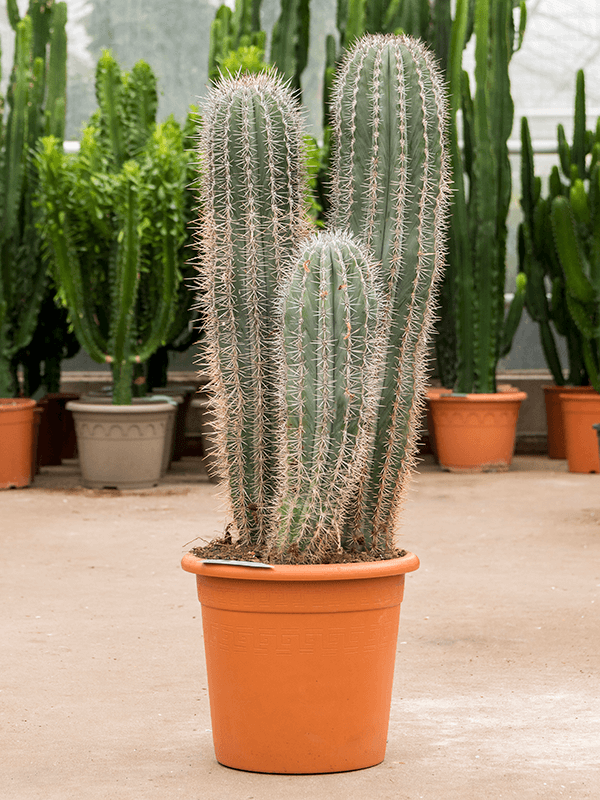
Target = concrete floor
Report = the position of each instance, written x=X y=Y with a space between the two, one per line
x=497 y=692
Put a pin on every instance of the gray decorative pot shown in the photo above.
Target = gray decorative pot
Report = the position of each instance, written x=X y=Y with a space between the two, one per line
x=122 y=447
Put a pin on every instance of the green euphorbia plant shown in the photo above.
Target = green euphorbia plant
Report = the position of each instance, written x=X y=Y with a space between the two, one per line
x=317 y=342
x=114 y=221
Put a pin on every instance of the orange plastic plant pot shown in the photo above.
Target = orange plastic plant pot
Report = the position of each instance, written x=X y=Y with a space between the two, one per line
x=16 y=441
x=300 y=662
x=476 y=432
x=580 y=412
x=557 y=447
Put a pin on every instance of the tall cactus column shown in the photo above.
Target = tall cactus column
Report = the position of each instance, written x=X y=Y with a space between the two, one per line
x=391 y=188
x=253 y=196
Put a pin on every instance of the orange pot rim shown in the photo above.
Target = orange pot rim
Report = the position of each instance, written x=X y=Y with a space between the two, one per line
x=16 y=403
x=582 y=397
x=567 y=387
x=496 y=397
x=303 y=572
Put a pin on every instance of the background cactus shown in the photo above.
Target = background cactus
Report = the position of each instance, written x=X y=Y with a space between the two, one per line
x=390 y=186
x=342 y=474
x=36 y=106
x=473 y=331
x=124 y=192
x=559 y=248
x=236 y=38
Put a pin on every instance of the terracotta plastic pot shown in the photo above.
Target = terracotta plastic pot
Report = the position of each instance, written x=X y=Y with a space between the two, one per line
x=300 y=662
x=580 y=412
x=16 y=441
x=122 y=447
x=433 y=391
x=476 y=432
x=557 y=447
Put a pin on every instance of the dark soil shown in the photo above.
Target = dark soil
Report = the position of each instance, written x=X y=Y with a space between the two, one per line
x=228 y=550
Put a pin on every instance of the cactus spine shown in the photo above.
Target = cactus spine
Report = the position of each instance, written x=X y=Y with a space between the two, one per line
x=36 y=102
x=253 y=197
x=390 y=187
x=332 y=359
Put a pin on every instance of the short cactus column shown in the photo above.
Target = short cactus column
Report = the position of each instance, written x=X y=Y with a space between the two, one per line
x=332 y=357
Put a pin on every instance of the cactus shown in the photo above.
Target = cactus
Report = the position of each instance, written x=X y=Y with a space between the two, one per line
x=254 y=216
x=317 y=358
x=289 y=41
x=477 y=252
x=390 y=187
x=559 y=247
x=36 y=103
x=332 y=357
x=115 y=223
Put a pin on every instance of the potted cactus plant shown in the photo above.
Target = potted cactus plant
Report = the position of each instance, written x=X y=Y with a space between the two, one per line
x=36 y=106
x=475 y=424
x=559 y=249
x=316 y=349
x=114 y=223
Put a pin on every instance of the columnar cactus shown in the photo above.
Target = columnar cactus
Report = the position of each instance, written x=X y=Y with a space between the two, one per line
x=36 y=106
x=316 y=355
x=474 y=332
x=390 y=187
x=559 y=246
x=254 y=216
x=332 y=357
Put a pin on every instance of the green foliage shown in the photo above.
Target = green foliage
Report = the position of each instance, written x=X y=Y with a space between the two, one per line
x=316 y=357
x=244 y=60
x=560 y=248
x=36 y=106
x=114 y=223
x=236 y=32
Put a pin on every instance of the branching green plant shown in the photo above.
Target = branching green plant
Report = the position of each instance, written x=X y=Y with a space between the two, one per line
x=36 y=107
x=559 y=246
x=114 y=223
x=316 y=358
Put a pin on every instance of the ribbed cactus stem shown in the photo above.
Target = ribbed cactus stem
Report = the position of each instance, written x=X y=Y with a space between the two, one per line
x=253 y=188
x=391 y=188
x=332 y=357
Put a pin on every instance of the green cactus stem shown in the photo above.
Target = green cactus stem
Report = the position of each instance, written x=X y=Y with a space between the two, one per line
x=36 y=105
x=253 y=190
x=332 y=357
x=289 y=42
x=390 y=187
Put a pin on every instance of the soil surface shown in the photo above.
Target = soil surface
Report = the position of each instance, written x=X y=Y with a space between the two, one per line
x=103 y=691
x=224 y=549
